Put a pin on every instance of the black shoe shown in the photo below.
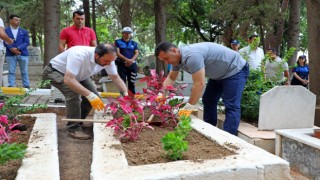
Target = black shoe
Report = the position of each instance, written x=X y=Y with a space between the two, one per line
x=78 y=134
x=27 y=87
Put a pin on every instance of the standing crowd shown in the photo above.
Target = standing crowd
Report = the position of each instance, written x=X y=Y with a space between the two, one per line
x=81 y=57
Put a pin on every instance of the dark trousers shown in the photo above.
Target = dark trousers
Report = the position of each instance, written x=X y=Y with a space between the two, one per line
x=230 y=89
x=128 y=74
x=77 y=106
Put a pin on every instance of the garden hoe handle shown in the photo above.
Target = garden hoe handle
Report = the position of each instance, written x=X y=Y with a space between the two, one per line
x=150 y=118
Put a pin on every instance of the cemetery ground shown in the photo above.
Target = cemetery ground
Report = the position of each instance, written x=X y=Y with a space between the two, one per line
x=75 y=156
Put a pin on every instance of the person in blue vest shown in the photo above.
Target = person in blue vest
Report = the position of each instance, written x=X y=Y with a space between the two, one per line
x=17 y=52
x=128 y=52
x=300 y=73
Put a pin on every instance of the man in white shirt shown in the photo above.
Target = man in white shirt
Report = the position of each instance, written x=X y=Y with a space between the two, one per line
x=253 y=54
x=70 y=72
x=276 y=69
x=3 y=36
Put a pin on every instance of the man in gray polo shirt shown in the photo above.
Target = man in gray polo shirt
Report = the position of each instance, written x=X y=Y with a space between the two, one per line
x=227 y=72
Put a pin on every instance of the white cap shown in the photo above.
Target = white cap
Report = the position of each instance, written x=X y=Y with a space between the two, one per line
x=127 y=30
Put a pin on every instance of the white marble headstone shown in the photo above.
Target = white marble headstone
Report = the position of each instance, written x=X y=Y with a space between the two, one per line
x=287 y=107
x=34 y=54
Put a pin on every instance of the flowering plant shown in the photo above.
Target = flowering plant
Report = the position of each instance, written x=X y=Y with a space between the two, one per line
x=9 y=151
x=130 y=109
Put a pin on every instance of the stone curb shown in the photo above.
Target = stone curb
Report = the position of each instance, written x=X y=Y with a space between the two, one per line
x=250 y=162
x=41 y=160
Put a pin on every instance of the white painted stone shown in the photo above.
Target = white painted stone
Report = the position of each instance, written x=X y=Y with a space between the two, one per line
x=41 y=160
x=301 y=149
x=250 y=162
x=287 y=107
x=301 y=135
x=40 y=92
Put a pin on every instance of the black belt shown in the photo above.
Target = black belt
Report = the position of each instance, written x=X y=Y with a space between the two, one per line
x=50 y=65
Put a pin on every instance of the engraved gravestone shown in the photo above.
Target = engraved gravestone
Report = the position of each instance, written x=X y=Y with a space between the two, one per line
x=34 y=54
x=287 y=107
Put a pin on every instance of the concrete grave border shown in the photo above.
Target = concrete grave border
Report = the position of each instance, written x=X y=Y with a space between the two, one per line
x=250 y=162
x=41 y=160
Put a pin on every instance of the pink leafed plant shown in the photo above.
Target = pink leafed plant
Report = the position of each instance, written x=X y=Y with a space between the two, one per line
x=6 y=129
x=158 y=99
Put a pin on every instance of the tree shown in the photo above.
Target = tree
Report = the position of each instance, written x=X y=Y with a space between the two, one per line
x=293 y=29
x=160 y=30
x=51 y=29
x=94 y=22
x=313 y=16
x=124 y=11
x=275 y=33
x=86 y=9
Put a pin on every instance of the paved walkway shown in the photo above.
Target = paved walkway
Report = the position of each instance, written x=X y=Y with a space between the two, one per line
x=55 y=99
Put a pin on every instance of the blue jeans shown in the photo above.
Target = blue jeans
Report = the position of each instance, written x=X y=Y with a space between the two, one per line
x=230 y=89
x=23 y=64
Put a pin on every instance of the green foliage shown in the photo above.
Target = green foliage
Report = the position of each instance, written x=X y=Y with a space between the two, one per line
x=173 y=142
x=103 y=33
x=257 y=85
x=289 y=54
x=255 y=43
x=127 y=119
x=11 y=151
x=12 y=106
x=184 y=126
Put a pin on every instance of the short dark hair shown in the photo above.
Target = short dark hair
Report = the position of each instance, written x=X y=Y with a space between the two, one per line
x=80 y=13
x=163 y=46
x=274 y=50
x=302 y=57
x=252 y=36
x=105 y=48
x=13 y=16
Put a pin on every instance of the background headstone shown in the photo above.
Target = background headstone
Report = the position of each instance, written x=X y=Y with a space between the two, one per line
x=287 y=107
x=34 y=54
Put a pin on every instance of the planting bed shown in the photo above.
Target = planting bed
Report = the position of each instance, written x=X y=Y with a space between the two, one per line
x=248 y=162
x=41 y=159
x=9 y=170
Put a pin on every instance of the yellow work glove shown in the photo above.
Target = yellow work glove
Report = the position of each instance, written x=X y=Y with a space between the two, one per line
x=95 y=101
x=187 y=110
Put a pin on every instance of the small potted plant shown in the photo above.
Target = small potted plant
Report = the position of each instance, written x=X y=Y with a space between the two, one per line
x=317 y=133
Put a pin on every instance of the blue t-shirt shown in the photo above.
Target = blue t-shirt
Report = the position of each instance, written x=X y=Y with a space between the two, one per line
x=218 y=61
x=126 y=48
x=302 y=71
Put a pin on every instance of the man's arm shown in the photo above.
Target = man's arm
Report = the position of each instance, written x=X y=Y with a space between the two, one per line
x=286 y=74
x=73 y=84
x=198 y=86
x=4 y=36
x=135 y=56
x=93 y=43
x=62 y=45
x=119 y=83
x=171 y=78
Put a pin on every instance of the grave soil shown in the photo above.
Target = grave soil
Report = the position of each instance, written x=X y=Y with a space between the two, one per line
x=148 y=148
x=9 y=170
x=75 y=156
